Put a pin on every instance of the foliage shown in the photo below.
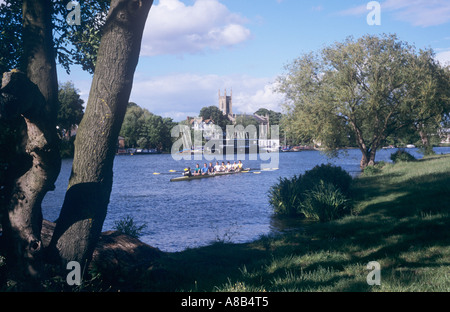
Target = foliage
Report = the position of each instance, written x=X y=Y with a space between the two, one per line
x=325 y=187
x=70 y=110
x=11 y=50
x=328 y=173
x=363 y=91
x=402 y=155
x=247 y=120
x=324 y=202
x=274 y=117
x=143 y=129
x=285 y=197
x=76 y=44
x=128 y=226
x=214 y=113
x=375 y=169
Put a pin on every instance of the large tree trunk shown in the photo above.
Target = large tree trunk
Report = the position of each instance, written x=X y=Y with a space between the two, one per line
x=85 y=205
x=40 y=64
x=32 y=107
x=368 y=158
x=30 y=175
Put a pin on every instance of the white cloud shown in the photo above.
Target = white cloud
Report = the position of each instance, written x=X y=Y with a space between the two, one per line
x=444 y=58
x=175 y=28
x=262 y=96
x=416 y=12
x=181 y=95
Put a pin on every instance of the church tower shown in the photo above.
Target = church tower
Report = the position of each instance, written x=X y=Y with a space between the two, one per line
x=226 y=103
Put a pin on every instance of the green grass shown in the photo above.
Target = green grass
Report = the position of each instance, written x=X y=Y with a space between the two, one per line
x=400 y=219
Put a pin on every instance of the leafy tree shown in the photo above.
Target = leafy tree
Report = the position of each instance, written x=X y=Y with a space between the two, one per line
x=133 y=123
x=70 y=110
x=274 y=117
x=246 y=120
x=29 y=106
x=214 y=113
x=76 y=44
x=11 y=51
x=143 y=129
x=361 y=92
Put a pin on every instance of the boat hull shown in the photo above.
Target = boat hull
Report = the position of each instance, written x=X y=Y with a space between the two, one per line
x=218 y=174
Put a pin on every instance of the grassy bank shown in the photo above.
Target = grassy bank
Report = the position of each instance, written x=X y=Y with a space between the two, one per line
x=400 y=219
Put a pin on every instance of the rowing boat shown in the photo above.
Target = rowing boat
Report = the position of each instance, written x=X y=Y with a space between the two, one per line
x=216 y=174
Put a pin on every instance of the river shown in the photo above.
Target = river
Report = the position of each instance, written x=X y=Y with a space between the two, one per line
x=181 y=215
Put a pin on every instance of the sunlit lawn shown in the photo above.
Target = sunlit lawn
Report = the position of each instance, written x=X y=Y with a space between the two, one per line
x=401 y=220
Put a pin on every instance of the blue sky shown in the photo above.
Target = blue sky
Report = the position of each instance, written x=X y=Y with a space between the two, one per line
x=193 y=48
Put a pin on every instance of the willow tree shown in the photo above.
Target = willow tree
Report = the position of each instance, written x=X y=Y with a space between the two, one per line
x=359 y=92
x=30 y=100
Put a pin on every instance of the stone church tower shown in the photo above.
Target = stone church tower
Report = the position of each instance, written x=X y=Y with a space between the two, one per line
x=226 y=103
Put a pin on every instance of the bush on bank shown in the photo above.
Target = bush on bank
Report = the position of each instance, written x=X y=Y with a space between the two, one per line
x=321 y=193
x=402 y=155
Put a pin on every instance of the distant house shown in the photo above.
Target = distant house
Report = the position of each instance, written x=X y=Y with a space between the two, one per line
x=444 y=134
x=205 y=125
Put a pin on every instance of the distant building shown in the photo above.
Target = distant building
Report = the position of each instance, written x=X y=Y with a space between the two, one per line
x=226 y=106
x=226 y=103
x=444 y=133
x=121 y=142
x=205 y=125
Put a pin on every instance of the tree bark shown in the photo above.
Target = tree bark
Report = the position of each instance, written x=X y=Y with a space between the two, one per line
x=32 y=107
x=39 y=51
x=85 y=205
x=30 y=173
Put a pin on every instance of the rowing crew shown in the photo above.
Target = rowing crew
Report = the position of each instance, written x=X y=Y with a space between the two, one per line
x=208 y=170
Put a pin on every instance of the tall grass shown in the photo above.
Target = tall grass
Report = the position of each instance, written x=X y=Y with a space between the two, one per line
x=325 y=202
x=285 y=196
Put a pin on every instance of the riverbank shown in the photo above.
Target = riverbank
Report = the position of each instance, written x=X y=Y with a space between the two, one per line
x=400 y=220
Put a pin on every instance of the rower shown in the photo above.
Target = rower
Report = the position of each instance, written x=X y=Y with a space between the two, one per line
x=217 y=167
x=240 y=166
x=210 y=168
x=228 y=167
x=197 y=170
x=204 y=169
x=187 y=172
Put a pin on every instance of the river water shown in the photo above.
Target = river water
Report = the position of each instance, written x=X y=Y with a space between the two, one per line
x=189 y=214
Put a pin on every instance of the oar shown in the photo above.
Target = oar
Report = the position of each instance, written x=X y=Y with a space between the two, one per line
x=264 y=169
x=170 y=172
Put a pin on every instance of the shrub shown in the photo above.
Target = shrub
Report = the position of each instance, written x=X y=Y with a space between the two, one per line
x=325 y=202
x=128 y=226
x=319 y=193
x=284 y=196
x=375 y=169
x=328 y=174
x=402 y=155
